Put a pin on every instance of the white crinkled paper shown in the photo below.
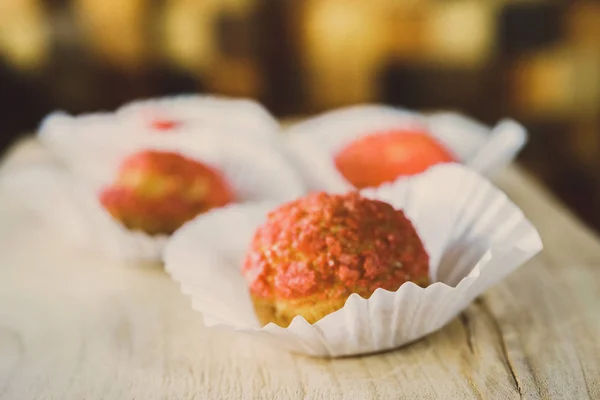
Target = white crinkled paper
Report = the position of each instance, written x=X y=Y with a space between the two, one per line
x=71 y=208
x=315 y=142
x=474 y=234
x=69 y=202
x=231 y=116
x=90 y=142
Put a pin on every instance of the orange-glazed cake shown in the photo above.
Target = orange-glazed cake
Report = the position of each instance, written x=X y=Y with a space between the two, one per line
x=311 y=254
x=157 y=192
x=383 y=157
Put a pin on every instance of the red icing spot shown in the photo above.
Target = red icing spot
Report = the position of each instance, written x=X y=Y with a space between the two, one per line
x=164 y=124
x=332 y=246
x=383 y=157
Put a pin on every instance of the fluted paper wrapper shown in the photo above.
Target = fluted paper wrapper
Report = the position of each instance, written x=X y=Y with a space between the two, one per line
x=71 y=208
x=474 y=234
x=223 y=115
x=69 y=203
x=315 y=142
x=89 y=143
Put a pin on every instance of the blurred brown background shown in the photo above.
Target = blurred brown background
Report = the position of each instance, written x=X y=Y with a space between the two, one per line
x=535 y=61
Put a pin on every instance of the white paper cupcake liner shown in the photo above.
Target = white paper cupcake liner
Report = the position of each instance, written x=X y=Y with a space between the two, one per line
x=84 y=142
x=474 y=234
x=71 y=208
x=69 y=202
x=89 y=142
x=224 y=115
x=315 y=142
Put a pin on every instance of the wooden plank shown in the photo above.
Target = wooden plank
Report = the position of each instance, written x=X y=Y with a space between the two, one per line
x=73 y=326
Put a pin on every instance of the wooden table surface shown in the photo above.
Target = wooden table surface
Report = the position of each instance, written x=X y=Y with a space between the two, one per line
x=73 y=326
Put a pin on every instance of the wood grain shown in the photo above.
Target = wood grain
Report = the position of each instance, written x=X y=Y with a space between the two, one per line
x=73 y=326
